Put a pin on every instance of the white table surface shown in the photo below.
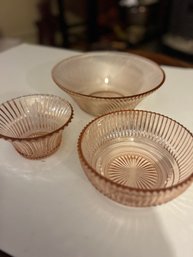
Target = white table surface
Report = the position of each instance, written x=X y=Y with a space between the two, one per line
x=49 y=209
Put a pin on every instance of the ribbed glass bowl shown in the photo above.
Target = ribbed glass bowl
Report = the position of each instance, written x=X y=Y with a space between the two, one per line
x=102 y=82
x=137 y=158
x=34 y=123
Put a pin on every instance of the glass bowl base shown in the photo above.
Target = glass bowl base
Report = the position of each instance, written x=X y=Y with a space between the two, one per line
x=136 y=162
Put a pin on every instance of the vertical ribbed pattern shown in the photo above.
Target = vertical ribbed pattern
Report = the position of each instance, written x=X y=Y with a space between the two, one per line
x=100 y=106
x=137 y=158
x=34 y=123
x=35 y=149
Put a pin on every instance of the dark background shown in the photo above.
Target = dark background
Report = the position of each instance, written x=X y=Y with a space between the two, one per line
x=152 y=25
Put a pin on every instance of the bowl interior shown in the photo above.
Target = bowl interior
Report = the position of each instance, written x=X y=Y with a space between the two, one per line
x=33 y=116
x=108 y=74
x=138 y=149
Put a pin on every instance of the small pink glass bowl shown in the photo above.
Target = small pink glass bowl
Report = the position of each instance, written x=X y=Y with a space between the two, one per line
x=137 y=158
x=102 y=82
x=34 y=123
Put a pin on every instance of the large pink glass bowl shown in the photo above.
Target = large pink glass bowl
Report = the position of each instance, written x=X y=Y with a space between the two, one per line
x=102 y=82
x=34 y=123
x=137 y=158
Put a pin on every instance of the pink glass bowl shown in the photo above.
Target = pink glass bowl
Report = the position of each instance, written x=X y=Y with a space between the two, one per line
x=102 y=82
x=34 y=123
x=137 y=158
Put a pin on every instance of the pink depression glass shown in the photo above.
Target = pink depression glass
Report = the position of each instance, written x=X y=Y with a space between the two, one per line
x=102 y=82
x=34 y=123
x=137 y=158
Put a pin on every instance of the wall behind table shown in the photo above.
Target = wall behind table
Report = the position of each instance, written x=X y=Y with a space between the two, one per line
x=17 y=19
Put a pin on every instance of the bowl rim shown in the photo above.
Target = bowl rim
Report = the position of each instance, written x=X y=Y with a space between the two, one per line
x=44 y=135
x=189 y=179
x=87 y=54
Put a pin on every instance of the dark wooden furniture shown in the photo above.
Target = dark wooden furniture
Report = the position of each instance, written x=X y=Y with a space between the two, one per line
x=52 y=23
x=163 y=59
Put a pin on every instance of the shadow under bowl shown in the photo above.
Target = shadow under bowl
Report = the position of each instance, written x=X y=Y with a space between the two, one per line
x=34 y=123
x=102 y=82
x=137 y=158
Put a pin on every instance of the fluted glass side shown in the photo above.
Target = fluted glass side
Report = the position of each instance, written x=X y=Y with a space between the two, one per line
x=34 y=123
x=137 y=158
